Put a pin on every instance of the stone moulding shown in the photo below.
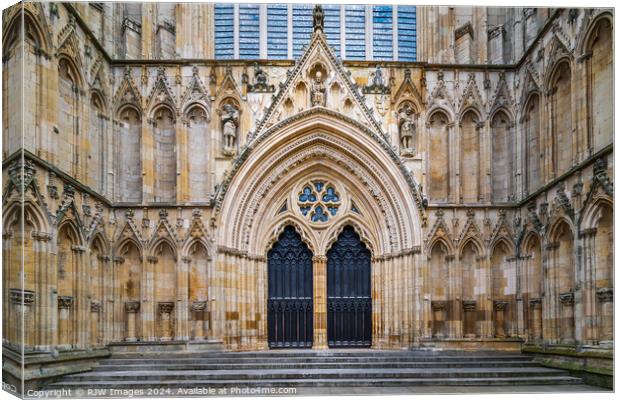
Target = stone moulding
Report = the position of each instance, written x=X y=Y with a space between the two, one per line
x=218 y=197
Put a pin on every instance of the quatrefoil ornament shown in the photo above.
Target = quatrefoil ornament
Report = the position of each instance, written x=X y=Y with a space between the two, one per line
x=318 y=201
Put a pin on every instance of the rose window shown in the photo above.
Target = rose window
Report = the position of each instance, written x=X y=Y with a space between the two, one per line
x=318 y=201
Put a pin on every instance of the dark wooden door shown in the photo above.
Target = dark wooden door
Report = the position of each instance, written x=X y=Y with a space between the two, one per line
x=289 y=306
x=349 y=305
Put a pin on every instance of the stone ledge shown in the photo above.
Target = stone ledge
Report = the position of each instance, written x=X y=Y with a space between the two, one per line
x=169 y=346
x=41 y=367
x=593 y=365
x=506 y=344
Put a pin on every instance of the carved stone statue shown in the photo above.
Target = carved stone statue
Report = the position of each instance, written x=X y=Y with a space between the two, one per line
x=378 y=77
x=318 y=91
x=318 y=16
x=230 y=122
x=406 y=127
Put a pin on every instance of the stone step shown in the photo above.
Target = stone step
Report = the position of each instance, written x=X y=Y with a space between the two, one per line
x=372 y=382
x=303 y=353
x=269 y=374
x=208 y=365
x=225 y=360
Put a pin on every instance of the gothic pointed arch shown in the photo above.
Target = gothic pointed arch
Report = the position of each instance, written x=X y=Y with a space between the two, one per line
x=502 y=98
x=317 y=143
x=127 y=94
x=407 y=91
x=161 y=93
x=471 y=98
x=36 y=29
x=196 y=93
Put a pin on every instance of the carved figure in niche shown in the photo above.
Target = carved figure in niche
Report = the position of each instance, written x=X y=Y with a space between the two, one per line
x=318 y=91
x=406 y=127
x=230 y=122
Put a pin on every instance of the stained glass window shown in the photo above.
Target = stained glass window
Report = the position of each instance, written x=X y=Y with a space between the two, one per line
x=318 y=201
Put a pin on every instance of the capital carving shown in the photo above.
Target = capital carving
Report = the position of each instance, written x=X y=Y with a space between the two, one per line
x=132 y=306
x=95 y=306
x=319 y=259
x=567 y=299
x=536 y=304
x=165 y=307
x=19 y=296
x=500 y=305
x=469 y=305
x=438 y=305
x=199 y=306
x=41 y=236
x=65 y=302
x=151 y=259
x=78 y=249
x=588 y=232
x=605 y=295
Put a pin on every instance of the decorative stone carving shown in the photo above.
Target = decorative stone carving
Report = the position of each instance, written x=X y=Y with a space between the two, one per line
x=377 y=85
x=260 y=81
x=500 y=305
x=463 y=30
x=230 y=124
x=605 y=295
x=19 y=296
x=21 y=173
x=536 y=303
x=406 y=127
x=199 y=306
x=95 y=306
x=318 y=91
x=165 y=307
x=469 y=305
x=318 y=16
x=65 y=302
x=567 y=299
x=68 y=196
x=438 y=305
x=132 y=307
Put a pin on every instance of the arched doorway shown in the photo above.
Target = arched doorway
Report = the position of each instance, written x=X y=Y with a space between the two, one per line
x=349 y=305
x=289 y=306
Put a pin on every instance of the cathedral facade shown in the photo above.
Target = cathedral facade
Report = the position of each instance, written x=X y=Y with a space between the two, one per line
x=161 y=194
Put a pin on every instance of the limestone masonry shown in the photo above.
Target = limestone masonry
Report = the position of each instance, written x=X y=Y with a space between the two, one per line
x=146 y=182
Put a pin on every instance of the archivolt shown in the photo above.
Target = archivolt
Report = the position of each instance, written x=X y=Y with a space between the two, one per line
x=330 y=147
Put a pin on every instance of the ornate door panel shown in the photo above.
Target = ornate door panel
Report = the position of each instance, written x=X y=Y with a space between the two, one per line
x=349 y=305
x=289 y=306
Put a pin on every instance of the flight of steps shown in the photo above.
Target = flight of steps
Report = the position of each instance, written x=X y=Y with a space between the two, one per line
x=306 y=368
